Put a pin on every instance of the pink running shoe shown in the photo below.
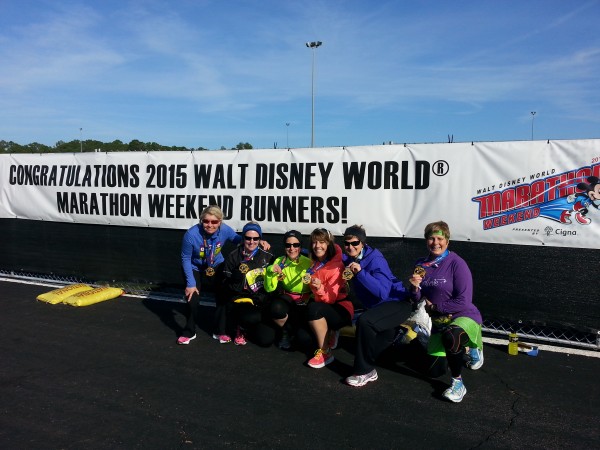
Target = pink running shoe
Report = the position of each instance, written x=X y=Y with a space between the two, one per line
x=239 y=338
x=222 y=338
x=321 y=359
x=183 y=340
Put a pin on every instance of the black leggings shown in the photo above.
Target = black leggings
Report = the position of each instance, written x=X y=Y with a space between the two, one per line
x=191 y=308
x=335 y=314
x=252 y=319
x=282 y=305
x=376 y=330
x=454 y=339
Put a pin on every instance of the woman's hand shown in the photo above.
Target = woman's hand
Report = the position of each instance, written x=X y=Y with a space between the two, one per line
x=415 y=281
x=354 y=267
x=429 y=307
x=265 y=245
x=276 y=268
x=315 y=283
x=190 y=291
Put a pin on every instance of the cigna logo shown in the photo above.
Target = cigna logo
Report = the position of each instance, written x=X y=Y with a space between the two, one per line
x=562 y=232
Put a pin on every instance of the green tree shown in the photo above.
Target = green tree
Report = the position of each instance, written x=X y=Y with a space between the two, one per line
x=136 y=146
x=242 y=146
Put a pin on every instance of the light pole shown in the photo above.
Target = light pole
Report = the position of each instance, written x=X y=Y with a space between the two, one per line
x=532 y=118
x=313 y=45
x=80 y=141
x=287 y=135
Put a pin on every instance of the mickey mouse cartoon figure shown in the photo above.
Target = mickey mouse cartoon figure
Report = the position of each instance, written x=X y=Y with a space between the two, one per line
x=583 y=200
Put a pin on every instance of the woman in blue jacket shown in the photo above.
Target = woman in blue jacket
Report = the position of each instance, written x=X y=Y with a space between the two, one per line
x=381 y=294
x=202 y=267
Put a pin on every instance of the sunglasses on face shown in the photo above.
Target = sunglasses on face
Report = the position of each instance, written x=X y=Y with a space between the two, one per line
x=250 y=238
x=212 y=222
x=351 y=243
x=290 y=245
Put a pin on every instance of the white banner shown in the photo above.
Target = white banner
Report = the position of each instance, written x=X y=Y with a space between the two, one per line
x=529 y=192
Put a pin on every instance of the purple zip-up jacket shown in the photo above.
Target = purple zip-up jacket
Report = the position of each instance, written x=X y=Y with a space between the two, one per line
x=449 y=286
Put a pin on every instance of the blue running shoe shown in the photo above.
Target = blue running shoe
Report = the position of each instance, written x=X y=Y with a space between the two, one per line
x=475 y=358
x=456 y=392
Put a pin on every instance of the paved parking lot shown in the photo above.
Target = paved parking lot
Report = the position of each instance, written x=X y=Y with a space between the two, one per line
x=111 y=376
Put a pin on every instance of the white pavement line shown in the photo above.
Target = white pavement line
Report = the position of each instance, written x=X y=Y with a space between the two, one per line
x=549 y=348
x=36 y=283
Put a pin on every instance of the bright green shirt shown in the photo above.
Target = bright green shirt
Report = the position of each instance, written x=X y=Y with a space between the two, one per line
x=293 y=271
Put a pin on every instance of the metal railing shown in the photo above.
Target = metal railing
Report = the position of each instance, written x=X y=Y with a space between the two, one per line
x=562 y=336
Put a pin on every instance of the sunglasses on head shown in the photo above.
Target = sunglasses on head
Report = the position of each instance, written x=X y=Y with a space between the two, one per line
x=212 y=222
x=290 y=245
x=351 y=243
x=251 y=238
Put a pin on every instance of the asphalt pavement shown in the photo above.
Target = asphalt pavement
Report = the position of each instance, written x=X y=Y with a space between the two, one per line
x=111 y=375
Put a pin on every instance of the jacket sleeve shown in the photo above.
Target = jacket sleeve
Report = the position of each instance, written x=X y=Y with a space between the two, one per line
x=377 y=281
x=271 y=278
x=187 y=249
x=230 y=234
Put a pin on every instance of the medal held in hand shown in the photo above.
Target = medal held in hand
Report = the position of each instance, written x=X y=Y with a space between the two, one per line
x=347 y=274
x=282 y=265
x=306 y=279
x=244 y=268
x=210 y=271
x=420 y=271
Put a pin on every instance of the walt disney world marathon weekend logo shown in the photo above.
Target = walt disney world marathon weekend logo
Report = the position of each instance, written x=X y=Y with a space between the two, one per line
x=567 y=198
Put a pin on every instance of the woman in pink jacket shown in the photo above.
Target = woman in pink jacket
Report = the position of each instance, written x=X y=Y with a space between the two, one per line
x=331 y=309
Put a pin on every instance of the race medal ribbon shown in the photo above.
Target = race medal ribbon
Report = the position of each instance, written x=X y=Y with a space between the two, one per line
x=209 y=256
x=436 y=262
x=306 y=279
x=282 y=265
x=244 y=268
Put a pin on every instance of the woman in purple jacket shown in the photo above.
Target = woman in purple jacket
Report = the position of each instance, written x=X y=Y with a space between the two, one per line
x=443 y=280
x=381 y=294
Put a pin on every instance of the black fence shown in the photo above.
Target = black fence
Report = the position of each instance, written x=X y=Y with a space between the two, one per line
x=543 y=286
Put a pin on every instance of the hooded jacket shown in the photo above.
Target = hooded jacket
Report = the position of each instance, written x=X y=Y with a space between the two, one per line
x=333 y=289
x=375 y=283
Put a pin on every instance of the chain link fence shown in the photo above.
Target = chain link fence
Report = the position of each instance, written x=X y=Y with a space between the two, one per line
x=588 y=339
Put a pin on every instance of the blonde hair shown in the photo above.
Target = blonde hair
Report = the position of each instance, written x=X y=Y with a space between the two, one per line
x=212 y=210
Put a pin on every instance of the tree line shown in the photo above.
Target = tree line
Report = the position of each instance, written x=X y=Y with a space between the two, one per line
x=91 y=145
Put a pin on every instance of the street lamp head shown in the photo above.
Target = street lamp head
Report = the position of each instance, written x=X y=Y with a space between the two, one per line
x=314 y=44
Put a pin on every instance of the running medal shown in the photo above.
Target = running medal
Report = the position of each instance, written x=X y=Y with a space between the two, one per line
x=281 y=276
x=244 y=268
x=208 y=253
x=347 y=274
x=306 y=279
x=420 y=271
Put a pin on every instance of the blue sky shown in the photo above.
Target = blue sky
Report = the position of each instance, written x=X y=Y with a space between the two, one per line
x=214 y=73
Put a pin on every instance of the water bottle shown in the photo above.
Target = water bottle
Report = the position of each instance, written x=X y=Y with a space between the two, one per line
x=513 y=343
